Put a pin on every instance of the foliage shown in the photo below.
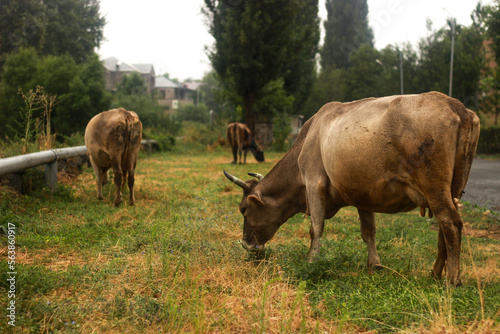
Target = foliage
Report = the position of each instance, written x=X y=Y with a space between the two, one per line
x=79 y=89
x=257 y=42
x=173 y=262
x=281 y=131
x=132 y=94
x=37 y=103
x=368 y=72
x=194 y=112
x=165 y=140
x=70 y=27
x=215 y=97
x=346 y=30
x=493 y=24
x=434 y=63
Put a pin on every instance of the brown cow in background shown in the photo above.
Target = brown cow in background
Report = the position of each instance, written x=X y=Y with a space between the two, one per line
x=240 y=138
x=113 y=139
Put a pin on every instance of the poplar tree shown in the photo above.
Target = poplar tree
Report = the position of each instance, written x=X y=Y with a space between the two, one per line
x=346 y=30
x=264 y=52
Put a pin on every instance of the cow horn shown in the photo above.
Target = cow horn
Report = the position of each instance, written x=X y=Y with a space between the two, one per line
x=257 y=175
x=236 y=181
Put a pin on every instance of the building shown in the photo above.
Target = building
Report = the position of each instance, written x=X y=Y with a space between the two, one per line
x=115 y=70
x=169 y=94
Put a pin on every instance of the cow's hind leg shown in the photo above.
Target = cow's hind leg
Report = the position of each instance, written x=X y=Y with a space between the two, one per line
x=235 y=154
x=98 y=177
x=105 y=175
x=131 y=179
x=240 y=152
x=368 y=231
x=449 y=239
x=118 y=179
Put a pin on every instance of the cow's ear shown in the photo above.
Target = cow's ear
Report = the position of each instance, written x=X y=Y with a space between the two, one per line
x=254 y=200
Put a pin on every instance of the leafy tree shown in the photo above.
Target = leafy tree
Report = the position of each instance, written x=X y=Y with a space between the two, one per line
x=346 y=30
x=258 y=42
x=132 y=94
x=492 y=14
x=490 y=82
x=17 y=74
x=72 y=27
x=132 y=84
x=79 y=89
x=434 y=63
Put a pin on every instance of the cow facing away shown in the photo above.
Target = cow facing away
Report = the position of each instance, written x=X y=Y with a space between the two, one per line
x=241 y=140
x=113 y=139
x=386 y=155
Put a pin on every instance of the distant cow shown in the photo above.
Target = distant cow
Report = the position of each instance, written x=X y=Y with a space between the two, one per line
x=387 y=155
x=113 y=139
x=241 y=140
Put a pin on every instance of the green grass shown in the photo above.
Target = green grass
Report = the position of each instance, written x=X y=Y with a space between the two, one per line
x=173 y=262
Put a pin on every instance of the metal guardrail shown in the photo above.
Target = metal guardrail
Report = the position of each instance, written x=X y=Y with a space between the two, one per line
x=48 y=158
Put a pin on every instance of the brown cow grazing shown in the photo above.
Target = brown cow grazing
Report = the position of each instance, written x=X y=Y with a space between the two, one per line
x=387 y=155
x=241 y=140
x=113 y=139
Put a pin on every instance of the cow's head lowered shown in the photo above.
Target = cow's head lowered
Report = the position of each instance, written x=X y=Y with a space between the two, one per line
x=262 y=215
x=256 y=150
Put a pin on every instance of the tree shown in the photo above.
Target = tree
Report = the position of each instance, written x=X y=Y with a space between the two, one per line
x=132 y=94
x=490 y=82
x=72 y=27
x=493 y=25
x=346 y=30
x=434 y=63
x=260 y=42
x=79 y=89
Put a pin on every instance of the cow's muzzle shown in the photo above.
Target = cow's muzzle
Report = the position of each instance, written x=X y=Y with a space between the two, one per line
x=252 y=247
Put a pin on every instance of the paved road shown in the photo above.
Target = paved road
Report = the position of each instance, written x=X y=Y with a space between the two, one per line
x=483 y=187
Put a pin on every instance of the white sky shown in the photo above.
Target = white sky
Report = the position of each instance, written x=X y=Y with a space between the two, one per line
x=172 y=35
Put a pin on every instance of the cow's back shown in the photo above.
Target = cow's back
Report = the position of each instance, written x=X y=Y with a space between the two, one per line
x=238 y=134
x=376 y=151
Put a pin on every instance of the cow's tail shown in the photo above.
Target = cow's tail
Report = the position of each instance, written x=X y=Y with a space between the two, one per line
x=133 y=135
x=468 y=136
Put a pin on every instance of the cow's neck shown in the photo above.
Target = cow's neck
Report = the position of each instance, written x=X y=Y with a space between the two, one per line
x=284 y=182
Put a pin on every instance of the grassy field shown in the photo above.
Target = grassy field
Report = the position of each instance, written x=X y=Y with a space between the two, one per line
x=173 y=263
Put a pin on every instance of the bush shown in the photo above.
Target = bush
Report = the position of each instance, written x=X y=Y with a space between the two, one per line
x=165 y=141
x=194 y=112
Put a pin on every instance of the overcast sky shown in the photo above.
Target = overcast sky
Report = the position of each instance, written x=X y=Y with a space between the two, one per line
x=172 y=34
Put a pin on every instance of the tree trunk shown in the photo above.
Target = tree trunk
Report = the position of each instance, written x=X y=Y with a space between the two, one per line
x=248 y=109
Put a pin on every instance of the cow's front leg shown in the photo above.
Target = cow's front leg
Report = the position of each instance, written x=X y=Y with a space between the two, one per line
x=368 y=231
x=98 y=177
x=316 y=201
